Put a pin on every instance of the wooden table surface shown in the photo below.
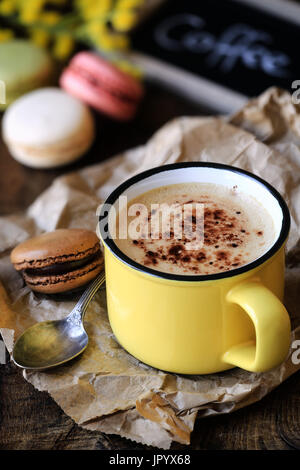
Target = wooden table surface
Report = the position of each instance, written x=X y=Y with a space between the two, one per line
x=32 y=420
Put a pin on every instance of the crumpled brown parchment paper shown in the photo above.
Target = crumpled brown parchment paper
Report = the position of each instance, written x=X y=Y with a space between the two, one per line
x=106 y=389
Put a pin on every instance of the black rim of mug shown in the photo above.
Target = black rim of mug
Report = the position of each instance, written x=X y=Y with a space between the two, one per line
x=112 y=198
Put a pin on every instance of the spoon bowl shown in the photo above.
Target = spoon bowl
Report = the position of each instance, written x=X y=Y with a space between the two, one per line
x=51 y=343
x=48 y=344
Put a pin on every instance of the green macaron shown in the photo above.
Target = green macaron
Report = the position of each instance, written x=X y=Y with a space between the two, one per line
x=23 y=67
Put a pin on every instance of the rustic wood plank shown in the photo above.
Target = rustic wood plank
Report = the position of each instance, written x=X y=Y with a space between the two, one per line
x=32 y=420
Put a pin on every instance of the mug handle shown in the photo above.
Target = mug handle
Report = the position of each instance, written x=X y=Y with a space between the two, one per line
x=272 y=327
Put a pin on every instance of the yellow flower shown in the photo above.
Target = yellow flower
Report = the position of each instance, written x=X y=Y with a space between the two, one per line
x=6 y=34
x=92 y=9
x=94 y=28
x=129 y=68
x=40 y=37
x=50 y=17
x=123 y=4
x=30 y=10
x=57 y=2
x=124 y=20
x=63 y=46
x=7 y=7
x=109 y=42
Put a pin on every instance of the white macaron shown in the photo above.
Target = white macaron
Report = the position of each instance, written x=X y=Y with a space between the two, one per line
x=47 y=128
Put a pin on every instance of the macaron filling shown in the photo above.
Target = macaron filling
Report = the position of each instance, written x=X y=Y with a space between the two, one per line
x=95 y=82
x=62 y=268
x=59 y=261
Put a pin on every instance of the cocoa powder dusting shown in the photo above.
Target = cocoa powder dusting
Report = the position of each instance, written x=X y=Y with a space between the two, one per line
x=224 y=232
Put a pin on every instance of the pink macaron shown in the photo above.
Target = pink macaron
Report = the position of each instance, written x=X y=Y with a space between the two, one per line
x=102 y=85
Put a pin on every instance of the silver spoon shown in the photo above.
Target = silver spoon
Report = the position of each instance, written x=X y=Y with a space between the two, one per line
x=51 y=343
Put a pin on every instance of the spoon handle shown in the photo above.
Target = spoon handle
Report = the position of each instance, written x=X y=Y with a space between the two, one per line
x=88 y=294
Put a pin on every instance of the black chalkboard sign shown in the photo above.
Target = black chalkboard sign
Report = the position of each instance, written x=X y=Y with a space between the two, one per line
x=235 y=45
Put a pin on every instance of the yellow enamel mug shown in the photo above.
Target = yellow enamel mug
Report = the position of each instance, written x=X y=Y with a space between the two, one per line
x=200 y=324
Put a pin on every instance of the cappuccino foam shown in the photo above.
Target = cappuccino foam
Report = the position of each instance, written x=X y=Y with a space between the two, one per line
x=237 y=229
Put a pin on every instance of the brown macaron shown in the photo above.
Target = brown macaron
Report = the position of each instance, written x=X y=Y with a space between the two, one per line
x=59 y=261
